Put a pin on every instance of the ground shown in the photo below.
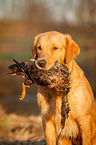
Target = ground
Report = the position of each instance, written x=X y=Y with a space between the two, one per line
x=21 y=130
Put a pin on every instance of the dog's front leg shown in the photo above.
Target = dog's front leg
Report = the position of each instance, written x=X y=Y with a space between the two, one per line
x=86 y=129
x=64 y=141
x=50 y=132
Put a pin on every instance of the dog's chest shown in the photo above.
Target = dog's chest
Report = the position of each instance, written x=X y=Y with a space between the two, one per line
x=51 y=110
x=50 y=105
x=70 y=128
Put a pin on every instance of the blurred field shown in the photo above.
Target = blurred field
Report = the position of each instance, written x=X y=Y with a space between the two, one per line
x=21 y=130
x=20 y=22
x=27 y=130
x=20 y=122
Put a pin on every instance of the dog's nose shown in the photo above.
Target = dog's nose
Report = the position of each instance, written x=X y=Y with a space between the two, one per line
x=42 y=63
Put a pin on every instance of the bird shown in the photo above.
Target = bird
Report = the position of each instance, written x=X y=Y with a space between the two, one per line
x=57 y=77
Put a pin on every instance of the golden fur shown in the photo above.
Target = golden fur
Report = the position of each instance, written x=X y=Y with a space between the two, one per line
x=80 y=125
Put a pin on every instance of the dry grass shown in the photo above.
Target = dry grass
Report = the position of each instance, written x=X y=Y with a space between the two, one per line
x=17 y=130
x=20 y=130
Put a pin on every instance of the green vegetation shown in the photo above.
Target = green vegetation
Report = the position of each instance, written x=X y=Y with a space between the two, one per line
x=21 y=56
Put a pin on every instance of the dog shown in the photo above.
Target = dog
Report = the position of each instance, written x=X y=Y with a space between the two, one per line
x=80 y=126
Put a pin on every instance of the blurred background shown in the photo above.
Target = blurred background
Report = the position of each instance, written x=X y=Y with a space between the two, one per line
x=20 y=22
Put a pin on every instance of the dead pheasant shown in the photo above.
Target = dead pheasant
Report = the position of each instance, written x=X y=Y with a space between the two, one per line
x=57 y=77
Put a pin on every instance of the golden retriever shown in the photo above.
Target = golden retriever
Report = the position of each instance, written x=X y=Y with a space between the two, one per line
x=80 y=127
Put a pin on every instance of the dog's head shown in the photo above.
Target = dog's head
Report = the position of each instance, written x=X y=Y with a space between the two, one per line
x=53 y=46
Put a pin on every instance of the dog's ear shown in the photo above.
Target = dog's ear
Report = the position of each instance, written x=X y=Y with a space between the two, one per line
x=72 y=50
x=34 y=48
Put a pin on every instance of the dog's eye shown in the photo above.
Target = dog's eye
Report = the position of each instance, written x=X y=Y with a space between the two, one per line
x=55 y=48
x=39 y=47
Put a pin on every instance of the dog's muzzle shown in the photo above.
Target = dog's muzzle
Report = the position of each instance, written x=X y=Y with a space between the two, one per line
x=41 y=63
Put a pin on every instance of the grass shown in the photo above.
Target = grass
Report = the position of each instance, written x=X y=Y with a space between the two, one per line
x=15 y=48
x=21 y=56
x=4 y=121
x=15 y=40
